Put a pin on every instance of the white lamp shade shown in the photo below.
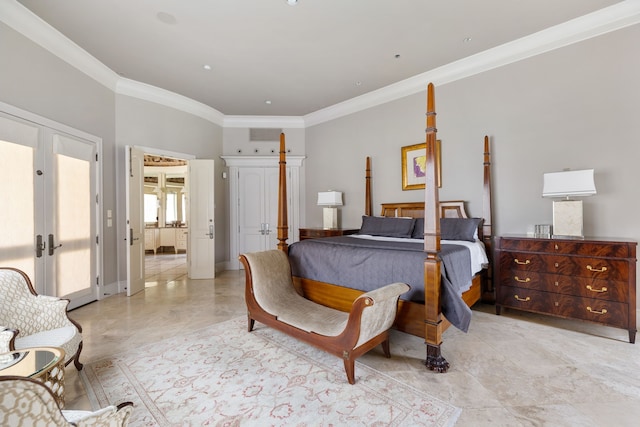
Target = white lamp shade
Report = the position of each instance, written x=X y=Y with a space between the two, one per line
x=569 y=183
x=330 y=198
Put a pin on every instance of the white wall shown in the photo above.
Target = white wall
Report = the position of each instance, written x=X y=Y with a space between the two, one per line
x=575 y=108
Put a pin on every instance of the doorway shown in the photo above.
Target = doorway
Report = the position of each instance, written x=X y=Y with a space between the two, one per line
x=165 y=219
x=49 y=225
x=193 y=200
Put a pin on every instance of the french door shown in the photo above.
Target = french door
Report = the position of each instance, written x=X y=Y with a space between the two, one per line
x=48 y=224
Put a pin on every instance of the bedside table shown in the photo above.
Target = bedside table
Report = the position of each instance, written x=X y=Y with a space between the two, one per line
x=589 y=279
x=314 y=233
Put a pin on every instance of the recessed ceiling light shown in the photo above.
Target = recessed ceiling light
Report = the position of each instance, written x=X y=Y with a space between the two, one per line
x=207 y=67
x=358 y=83
x=292 y=2
x=397 y=56
x=466 y=39
x=167 y=18
x=268 y=102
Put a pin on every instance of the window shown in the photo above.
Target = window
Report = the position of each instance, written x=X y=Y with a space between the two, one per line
x=172 y=208
x=150 y=208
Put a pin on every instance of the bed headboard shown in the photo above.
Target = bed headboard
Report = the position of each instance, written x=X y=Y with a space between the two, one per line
x=448 y=209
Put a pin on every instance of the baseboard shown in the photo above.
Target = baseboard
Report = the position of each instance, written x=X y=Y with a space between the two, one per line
x=223 y=266
x=113 y=288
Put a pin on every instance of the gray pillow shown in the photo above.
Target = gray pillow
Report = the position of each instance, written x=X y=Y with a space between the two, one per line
x=418 y=229
x=387 y=226
x=459 y=228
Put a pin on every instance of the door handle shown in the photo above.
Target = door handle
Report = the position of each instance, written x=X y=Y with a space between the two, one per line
x=266 y=230
x=130 y=236
x=210 y=234
x=40 y=245
x=52 y=246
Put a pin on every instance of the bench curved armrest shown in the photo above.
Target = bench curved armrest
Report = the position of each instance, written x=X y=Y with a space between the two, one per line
x=379 y=309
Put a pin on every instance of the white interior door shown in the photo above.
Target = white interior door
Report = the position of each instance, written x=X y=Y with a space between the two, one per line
x=49 y=223
x=134 y=159
x=201 y=239
x=251 y=210
x=258 y=208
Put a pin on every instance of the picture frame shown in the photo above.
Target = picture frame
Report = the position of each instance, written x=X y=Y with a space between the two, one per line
x=413 y=164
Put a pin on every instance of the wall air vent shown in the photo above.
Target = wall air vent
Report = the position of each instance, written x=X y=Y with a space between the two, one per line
x=264 y=134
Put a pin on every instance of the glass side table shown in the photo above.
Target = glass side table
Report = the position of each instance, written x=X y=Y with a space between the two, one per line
x=45 y=364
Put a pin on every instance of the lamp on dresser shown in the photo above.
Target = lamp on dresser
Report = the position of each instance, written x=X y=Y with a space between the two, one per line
x=330 y=200
x=567 y=212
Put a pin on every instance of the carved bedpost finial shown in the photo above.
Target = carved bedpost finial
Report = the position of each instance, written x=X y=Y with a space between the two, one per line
x=283 y=224
x=368 y=207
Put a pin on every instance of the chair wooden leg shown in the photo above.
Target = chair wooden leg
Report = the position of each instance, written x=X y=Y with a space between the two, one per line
x=349 y=367
x=76 y=358
x=250 y=324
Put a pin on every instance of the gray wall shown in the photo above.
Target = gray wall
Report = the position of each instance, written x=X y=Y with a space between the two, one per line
x=33 y=79
x=147 y=124
x=574 y=107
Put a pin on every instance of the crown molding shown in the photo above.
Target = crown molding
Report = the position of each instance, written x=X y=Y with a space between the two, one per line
x=167 y=98
x=33 y=27
x=612 y=18
x=615 y=17
x=264 y=122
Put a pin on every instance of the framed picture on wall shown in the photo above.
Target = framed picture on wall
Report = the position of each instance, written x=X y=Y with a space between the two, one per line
x=414 y=165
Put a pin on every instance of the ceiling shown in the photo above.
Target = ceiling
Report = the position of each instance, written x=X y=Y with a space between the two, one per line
x=300 y=58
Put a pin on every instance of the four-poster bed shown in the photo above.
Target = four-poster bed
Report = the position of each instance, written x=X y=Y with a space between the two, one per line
x=423 y=318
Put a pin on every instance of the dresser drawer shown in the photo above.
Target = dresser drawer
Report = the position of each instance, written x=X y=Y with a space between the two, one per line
x=569 y=285
x=568 y=247
x=595 y=268
x=608 y=312
x=595 y=310
x=526 y=299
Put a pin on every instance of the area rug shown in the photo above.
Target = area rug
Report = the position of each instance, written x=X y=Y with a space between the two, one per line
x=223 y=375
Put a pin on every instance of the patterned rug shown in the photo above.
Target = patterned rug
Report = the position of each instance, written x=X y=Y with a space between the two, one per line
x=223 y=375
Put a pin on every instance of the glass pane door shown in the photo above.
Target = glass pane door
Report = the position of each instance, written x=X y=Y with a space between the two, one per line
x=72 y=247
x=17 y=224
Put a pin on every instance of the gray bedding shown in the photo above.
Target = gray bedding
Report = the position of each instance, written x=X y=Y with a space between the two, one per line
x=369 y=264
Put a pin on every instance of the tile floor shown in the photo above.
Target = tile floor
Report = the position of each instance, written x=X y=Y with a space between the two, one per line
x=512 y=370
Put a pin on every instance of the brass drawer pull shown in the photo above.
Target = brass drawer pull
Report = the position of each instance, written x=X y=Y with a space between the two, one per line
x=604 y=289
x=517 y=279
x=596 y=270
x=524 y=299
x=590 y=310
x=521 y=262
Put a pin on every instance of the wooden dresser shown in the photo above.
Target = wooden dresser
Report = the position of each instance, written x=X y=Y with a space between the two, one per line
x=589 y=279
x=314 y=233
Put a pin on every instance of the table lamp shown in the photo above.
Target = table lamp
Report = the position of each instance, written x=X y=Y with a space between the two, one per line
x=567 y=212
x=330 y=199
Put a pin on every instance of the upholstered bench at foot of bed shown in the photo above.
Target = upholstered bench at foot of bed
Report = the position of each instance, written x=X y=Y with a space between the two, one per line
x=272 y=299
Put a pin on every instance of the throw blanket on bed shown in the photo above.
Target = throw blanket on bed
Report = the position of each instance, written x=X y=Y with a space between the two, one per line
x=369 y=264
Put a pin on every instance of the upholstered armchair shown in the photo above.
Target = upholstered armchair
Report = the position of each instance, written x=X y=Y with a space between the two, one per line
x=31 y=320
x=26 y=402
x=273 y=300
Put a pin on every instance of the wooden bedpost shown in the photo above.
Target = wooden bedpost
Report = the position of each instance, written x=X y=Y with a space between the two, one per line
x=283 y=222
x=488 y=294
x=368 y=207
x=434 y=327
